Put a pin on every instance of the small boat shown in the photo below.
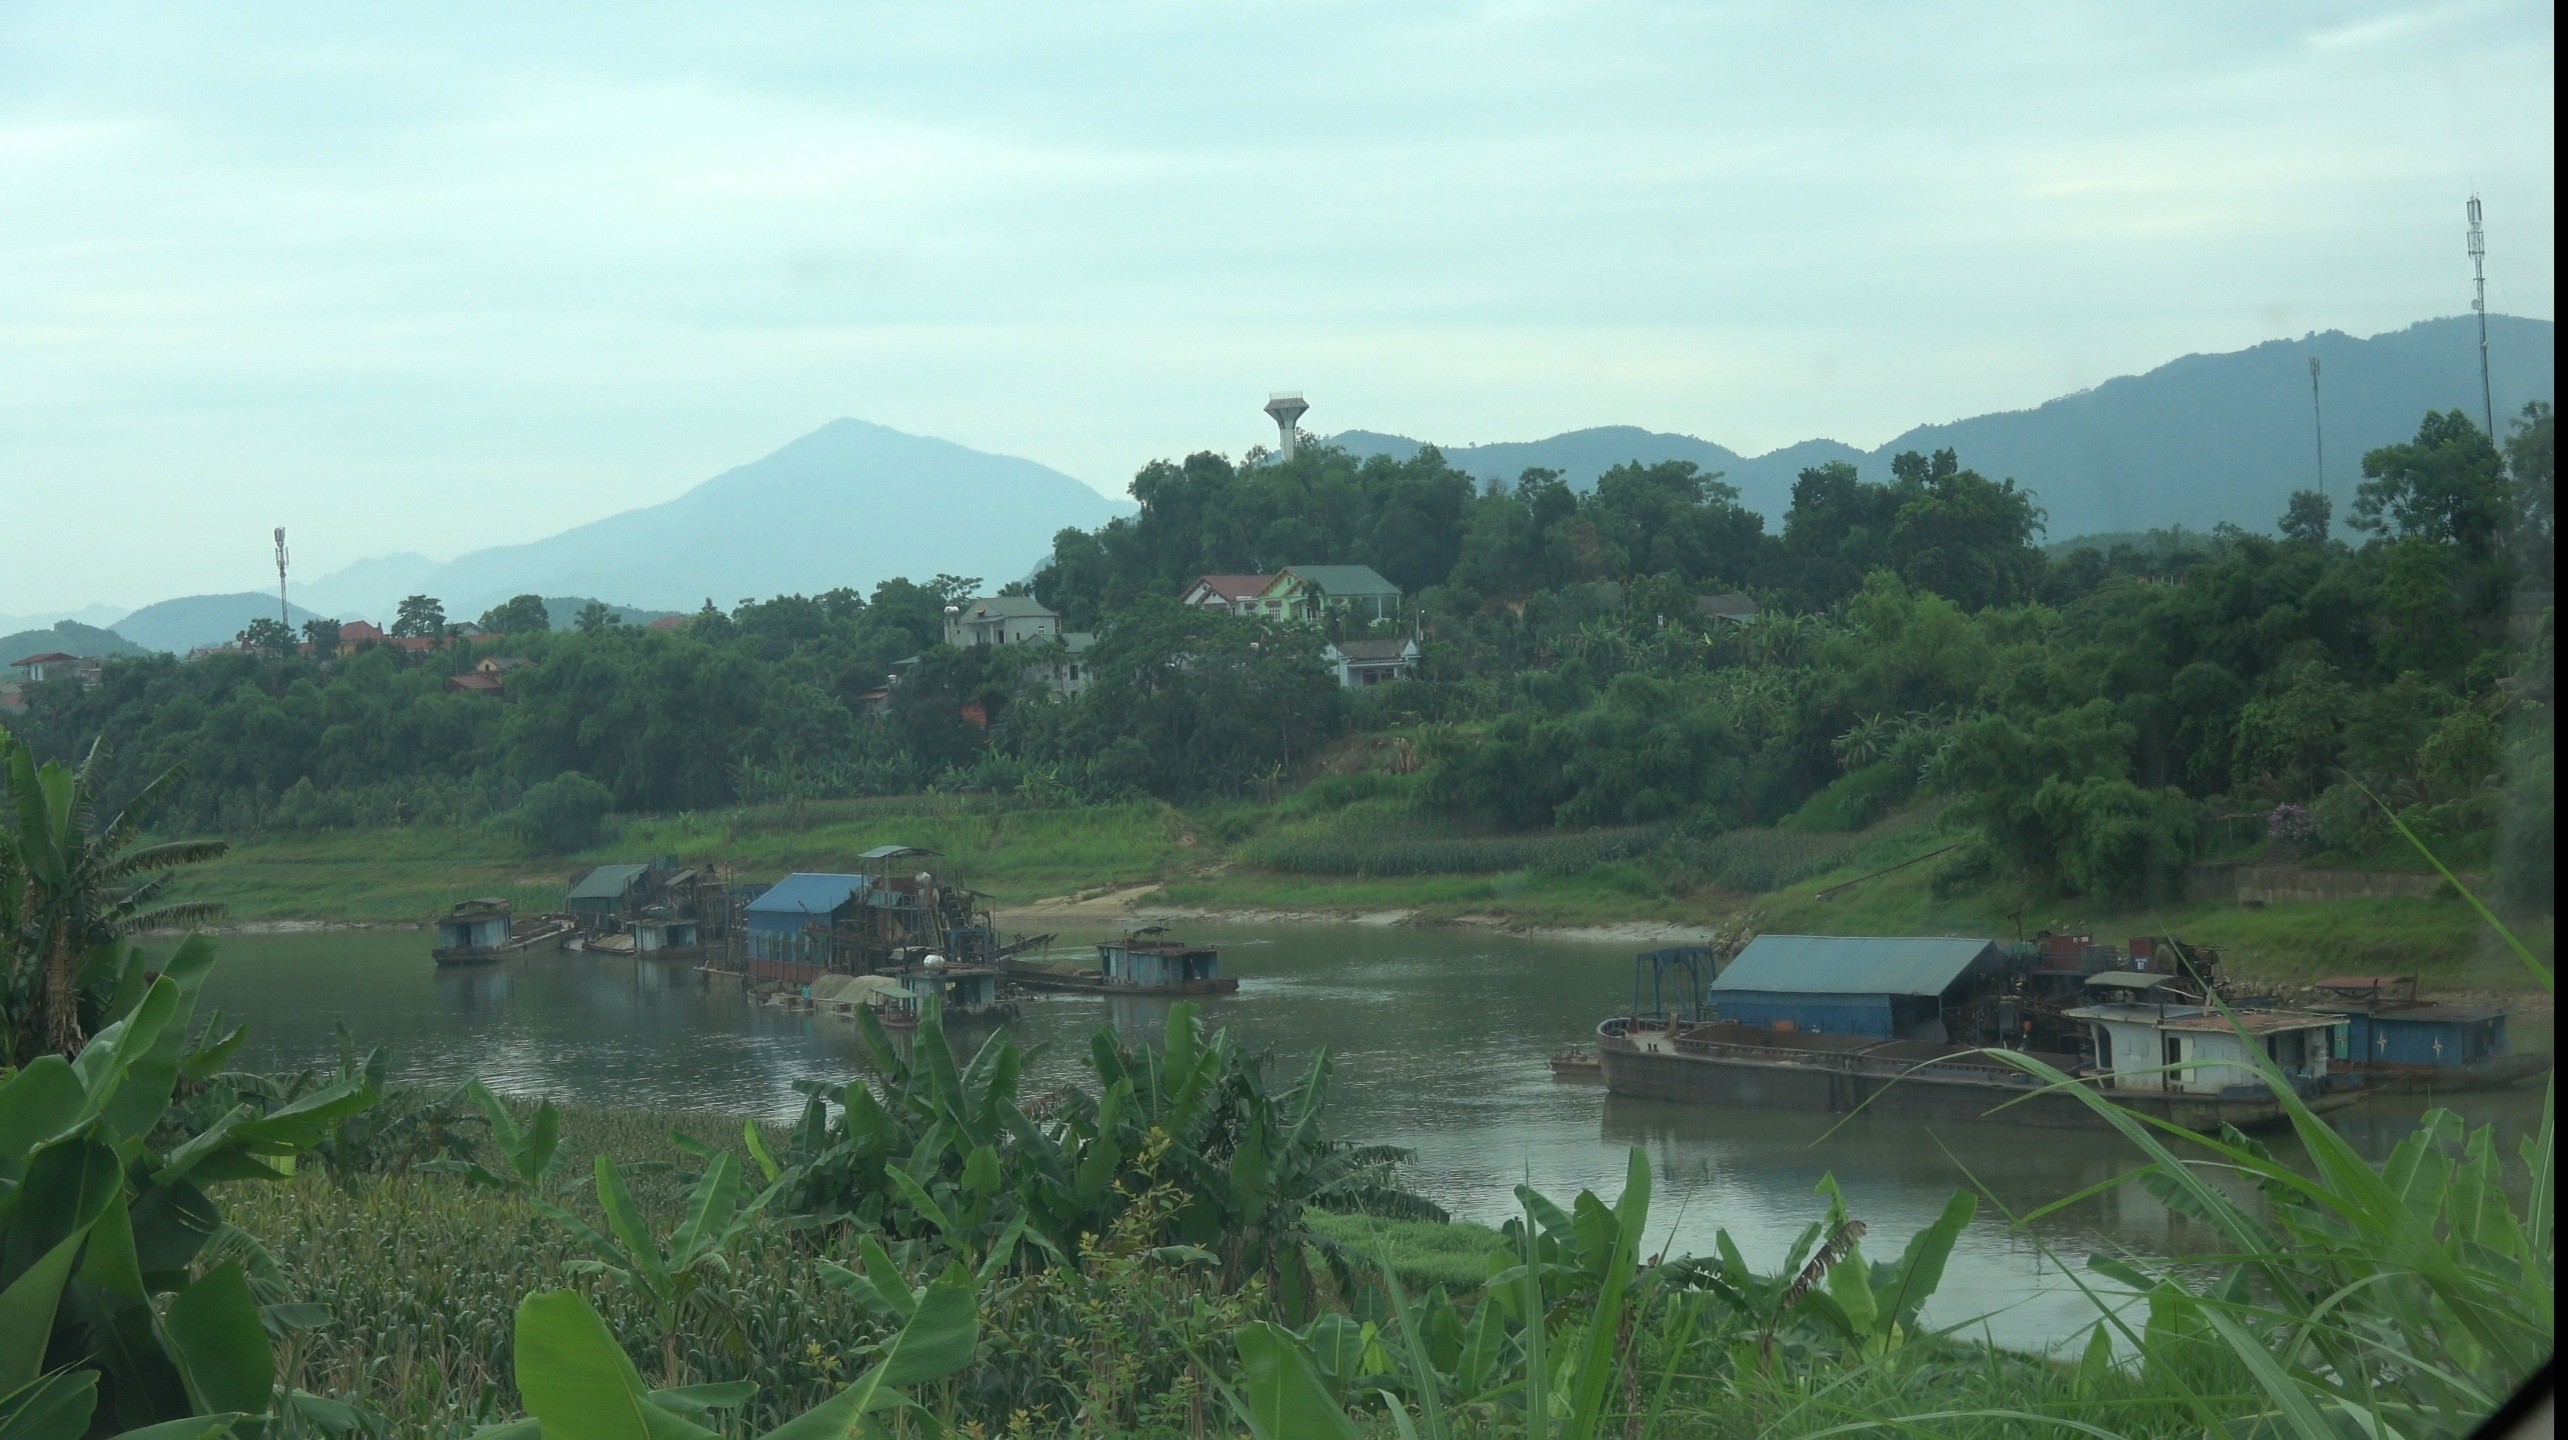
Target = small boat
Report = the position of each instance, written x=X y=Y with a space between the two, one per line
x=1576 y=1064
x=485 y=932
x=953 y=992
x=1141 y=963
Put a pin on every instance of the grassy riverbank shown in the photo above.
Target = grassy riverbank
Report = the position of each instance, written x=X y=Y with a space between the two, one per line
x=1334 y=851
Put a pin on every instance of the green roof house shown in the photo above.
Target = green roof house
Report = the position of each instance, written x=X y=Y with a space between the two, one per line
x=1302 y=592
x=608 y=894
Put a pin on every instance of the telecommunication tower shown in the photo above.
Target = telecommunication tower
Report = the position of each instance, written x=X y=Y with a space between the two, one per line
x=2479 y=302
x=1287 y=408
x=2318 y=424
x=284 y=615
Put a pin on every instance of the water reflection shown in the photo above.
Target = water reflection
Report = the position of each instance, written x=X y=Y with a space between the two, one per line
x=1438 y=1038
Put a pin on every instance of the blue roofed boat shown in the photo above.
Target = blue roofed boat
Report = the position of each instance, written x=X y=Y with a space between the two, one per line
x=1903 y=1025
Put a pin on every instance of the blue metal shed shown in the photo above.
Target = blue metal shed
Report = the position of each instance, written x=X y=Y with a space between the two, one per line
x=778 y=917
x=1887 y=987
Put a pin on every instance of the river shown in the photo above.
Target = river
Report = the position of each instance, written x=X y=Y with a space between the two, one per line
x=1439 y=1038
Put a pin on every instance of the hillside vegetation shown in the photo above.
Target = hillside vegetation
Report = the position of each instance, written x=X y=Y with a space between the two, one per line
x=1583 y=740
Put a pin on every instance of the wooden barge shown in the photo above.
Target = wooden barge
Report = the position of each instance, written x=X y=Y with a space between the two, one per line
x=1142 y=963
x=485 y=932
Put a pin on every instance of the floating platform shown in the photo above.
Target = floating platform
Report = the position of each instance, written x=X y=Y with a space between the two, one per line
x=1034 y=975
x=1740 y=1065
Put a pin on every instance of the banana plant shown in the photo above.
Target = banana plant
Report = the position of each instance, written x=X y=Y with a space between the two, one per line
x=670 y=1274
x=580 y=1385
x=113 y=1313
x=527 y=1153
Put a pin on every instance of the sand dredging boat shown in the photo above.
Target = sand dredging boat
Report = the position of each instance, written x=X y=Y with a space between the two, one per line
x=1144 y=962
x=1905 y=1026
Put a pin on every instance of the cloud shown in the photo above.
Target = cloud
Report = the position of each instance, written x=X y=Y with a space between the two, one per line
x=432 y=278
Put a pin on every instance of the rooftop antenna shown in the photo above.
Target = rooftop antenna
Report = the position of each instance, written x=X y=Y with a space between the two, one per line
x=2318 y=425
x=2479 y=302
x=1288 y=408
x=284 y=616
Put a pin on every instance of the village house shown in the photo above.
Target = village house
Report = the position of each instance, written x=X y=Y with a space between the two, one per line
x=1305 y=592
x=475 y=682
x=1735 y=608
x=1000 y=620
x=1230 y=594
x=55 y=665
x=1359 y=663
x=1067 y=672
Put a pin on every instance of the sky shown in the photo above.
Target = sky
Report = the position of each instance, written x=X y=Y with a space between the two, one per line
x=434 y=277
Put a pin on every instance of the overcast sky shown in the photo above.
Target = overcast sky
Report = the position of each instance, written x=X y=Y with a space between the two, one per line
x=443 y=276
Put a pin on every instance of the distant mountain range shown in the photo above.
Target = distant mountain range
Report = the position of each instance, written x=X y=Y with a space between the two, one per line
x=847 y=505
x=2197 y=441
x=191 y=620
x=67 y=637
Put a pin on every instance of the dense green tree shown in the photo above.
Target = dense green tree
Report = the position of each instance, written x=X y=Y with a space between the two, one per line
x=322 y=636
x=2447 y=486
x=269 y=637
x=519 y=615
x=2307 y=517
x=1961 y=534
x=596 y=615
x=420 y=617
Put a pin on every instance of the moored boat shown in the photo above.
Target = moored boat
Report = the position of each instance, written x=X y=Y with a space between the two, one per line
x=485 y=932
x=1838 y=1024
x=1141 y=963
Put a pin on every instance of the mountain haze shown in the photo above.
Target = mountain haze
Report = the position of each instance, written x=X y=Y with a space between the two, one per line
x=848 y=505
x=2195 y=442
x=191 y=620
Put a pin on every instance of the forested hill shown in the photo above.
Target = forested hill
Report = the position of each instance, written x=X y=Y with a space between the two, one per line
x=2194 y=442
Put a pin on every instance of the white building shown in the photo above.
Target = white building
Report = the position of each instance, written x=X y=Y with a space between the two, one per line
x=1000 y=620
x=1359 y=663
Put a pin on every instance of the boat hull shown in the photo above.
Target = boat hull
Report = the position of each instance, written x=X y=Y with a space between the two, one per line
x=2491 y=1074
x=1082 y=982
x=1790 y=1083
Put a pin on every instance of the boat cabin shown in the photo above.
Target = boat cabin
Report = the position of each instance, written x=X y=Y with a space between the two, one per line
x=1883 y=987
x=961 y=991
x=474 y=925
x=658 y=929
x=1144 y=960
x=2136 y=1042
x=2386 y=1022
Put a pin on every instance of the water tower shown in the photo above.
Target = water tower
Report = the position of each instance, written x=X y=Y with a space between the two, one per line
x=1287 y=407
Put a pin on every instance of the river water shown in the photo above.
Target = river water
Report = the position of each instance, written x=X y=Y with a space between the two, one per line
x=1439 y=1038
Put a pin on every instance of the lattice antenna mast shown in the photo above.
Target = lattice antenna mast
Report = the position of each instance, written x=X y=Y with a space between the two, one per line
x=284 y=615
x=2318 y=424
x=2479 y=302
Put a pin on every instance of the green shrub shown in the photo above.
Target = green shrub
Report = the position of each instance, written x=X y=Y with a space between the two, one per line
x=1754 y=861
x=1853 y=801
x=565 y=813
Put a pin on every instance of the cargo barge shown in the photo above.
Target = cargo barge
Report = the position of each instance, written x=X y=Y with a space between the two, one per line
x=1906 y=1026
